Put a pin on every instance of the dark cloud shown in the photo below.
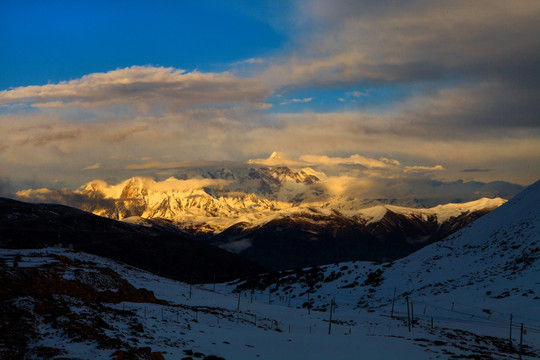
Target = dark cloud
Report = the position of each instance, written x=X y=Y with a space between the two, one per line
x=476 y=170
x=478 y=65
x=49 y=137
x=123 y=135
x=430 y=192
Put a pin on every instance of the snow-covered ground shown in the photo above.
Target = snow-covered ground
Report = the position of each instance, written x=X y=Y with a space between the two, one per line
x=462 y=293
x=219 y=323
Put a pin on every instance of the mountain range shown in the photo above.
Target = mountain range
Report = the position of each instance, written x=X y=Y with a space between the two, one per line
x=274 y=216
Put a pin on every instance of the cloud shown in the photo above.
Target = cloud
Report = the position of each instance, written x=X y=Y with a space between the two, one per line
x=371 y=41
x=419 y=168
x=476 y=170
x=250 y=61
x=448 y=83
x=92 y=167
x=358 y=94
x=144 y=86
x=122 y=135
x=462 y=65
x=324 y=161
x=390 y=161
x=159 y=165
x=471 y=110
x=48 y=137
x=301 y=101
x=67 y=197
x=351 y=160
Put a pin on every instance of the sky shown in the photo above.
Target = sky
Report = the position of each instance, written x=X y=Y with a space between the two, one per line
x=406 y=91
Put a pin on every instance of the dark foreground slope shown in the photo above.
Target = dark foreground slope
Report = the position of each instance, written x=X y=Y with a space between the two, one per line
x=26 y=225
x=311 y=239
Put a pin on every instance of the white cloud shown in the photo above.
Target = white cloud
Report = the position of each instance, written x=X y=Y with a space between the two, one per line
x=257 y=60
x=358 y=94
x=300 y=101
x=144 y=86
x=420 y=168
x=351 y=160
x=390 y=161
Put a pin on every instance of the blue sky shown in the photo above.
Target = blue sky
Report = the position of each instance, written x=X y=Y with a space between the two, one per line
x=96 y=89
x=52 y=41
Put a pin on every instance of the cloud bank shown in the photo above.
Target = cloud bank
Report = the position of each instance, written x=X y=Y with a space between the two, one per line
x=444 y=90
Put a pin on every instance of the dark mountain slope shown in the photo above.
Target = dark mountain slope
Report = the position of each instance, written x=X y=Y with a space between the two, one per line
x=308 y=239
x=25 y=225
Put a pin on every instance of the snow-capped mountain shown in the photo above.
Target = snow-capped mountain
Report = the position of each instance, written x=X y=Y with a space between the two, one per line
x=275 y=216
x=187 y=202
x=280 y=234
x=214 y=204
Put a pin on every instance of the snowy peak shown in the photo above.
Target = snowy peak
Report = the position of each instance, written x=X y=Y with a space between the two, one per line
x=184 y=201
x=274 y=156
x=134 y=189
x=278 y=175
x=275 y=159
x=441 y=212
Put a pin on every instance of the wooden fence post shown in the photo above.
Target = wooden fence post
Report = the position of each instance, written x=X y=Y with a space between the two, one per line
x=330 y=321
x=521 y=341
x=408 y=314
x=393 y=302
x=412 y=313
